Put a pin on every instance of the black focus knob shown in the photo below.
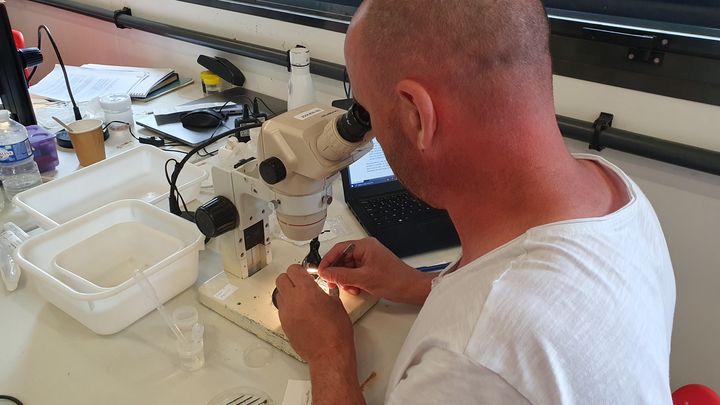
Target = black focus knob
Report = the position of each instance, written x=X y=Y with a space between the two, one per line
x=216 y=217
x=30 y=57
x=273 y=170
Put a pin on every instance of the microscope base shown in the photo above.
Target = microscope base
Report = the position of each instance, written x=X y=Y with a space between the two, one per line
x=247 y=302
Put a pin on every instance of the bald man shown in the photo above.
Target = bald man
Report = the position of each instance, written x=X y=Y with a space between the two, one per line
x=564 y=292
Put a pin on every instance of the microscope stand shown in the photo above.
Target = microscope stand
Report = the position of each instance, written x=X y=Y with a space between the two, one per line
x=248 y=303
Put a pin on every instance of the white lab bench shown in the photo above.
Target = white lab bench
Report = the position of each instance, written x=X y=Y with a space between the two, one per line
x=48 y=357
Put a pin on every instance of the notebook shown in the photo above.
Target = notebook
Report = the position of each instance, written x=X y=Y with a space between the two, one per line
x=388 y=212
x=178 y=83
x=153 y=79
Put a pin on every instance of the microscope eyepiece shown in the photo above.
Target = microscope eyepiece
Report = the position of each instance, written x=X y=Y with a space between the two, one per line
x=354 y=124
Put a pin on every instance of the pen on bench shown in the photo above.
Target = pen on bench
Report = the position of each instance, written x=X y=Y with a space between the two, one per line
x=433 y=267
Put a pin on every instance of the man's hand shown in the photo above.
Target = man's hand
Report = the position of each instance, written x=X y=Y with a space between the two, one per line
x=316 y=324
x=320 y=331
x=373 y=268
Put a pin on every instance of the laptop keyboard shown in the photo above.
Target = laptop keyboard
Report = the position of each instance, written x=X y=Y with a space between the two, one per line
x=395 y=209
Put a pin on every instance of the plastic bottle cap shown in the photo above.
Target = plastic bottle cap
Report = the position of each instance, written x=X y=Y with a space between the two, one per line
x=115 y=102
x=209 y=78
x=4 y=115
x=300 y=57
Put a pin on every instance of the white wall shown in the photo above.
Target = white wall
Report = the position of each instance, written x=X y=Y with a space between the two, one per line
x=687 y=202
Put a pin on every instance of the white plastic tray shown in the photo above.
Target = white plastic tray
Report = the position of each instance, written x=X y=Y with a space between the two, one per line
x=109 y=310
x=138 y=173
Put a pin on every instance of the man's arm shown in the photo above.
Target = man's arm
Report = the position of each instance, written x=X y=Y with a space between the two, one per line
x=320 y=331
x=334 y=380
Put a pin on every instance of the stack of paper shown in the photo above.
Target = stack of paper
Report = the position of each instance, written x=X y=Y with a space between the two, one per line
x=90 y=81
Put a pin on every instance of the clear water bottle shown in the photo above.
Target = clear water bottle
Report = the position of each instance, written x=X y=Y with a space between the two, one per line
x=18 y=170
x=301 y=90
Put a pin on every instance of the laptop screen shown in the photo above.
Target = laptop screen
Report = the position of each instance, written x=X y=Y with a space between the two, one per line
x=371 y=169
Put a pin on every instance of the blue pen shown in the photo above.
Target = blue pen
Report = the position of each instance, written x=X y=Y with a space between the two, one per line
x=433 y=267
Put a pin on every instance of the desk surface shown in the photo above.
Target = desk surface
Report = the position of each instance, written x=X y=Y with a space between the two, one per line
x=48 y=357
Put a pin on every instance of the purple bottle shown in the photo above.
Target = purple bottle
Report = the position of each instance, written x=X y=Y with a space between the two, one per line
x=44 y=148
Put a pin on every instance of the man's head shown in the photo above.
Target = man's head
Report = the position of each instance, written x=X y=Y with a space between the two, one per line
x=444 y=77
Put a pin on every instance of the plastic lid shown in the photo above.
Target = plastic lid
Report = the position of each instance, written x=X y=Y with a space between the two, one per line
x=115 y=102
x=38 y=134
x=209 y=78
x=4 y=115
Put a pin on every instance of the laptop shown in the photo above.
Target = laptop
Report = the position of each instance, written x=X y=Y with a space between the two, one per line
x=173 y=129
x=388 y=212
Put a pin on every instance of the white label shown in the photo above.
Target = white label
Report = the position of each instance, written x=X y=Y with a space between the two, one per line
x=298 y=392
x=225 y=292
x=309 y=113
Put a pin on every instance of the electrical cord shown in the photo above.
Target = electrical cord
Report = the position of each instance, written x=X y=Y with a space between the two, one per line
x=266 y=106
x=76 y=109
x=124 y=123
x=256 y=108
x=175 y=198
x=346 y=83
x=174 y=150
x=11 y=399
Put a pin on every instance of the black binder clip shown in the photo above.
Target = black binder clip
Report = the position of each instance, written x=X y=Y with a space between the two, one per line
x=603 y=122
x=118 y=13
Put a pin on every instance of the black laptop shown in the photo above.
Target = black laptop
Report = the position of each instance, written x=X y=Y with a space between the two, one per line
x=387 y=211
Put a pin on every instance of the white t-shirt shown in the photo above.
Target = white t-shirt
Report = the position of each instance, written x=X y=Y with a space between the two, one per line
x=573 y=312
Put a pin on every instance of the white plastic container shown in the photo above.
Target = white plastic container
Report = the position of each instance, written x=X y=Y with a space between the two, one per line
x=110 y=257
x=138 y=173
x=111 y=309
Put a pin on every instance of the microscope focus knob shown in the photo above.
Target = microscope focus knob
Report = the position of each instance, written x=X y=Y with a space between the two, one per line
x=273 y=170
x=216 y=217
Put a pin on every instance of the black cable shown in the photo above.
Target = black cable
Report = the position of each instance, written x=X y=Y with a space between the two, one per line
x=254 y=102
x=173 y=187
x=172 y=180
x=266 y=106
x=76 y=109
x=11 y=399
x=174 y=150
x=221 y=124
x=346 y=83
x=121 y=122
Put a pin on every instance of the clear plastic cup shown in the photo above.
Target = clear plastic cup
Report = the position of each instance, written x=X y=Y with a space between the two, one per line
x=185 y=317
x=192 y=352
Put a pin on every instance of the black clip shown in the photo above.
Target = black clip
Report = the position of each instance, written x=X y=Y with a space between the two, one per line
x=118 y=13
x=603 y=122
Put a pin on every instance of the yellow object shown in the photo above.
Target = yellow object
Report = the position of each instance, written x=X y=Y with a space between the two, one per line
x=210 y=82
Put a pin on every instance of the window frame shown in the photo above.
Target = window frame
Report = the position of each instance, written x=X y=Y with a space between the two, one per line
x=263 y=8
x=668 y=59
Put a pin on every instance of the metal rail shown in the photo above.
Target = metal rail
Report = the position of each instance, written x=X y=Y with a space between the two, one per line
x=266 y=54
x=641 y=145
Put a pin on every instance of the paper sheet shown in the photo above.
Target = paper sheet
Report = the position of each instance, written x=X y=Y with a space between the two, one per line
x=86 y=84
x=298 y=392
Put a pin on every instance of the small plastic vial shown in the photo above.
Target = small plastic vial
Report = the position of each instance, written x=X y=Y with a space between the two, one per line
x=118 y=113
x=211 y=83
x=44 y=148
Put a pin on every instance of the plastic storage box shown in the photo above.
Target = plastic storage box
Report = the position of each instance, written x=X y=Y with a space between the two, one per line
x=138 y=173
x=82 y=245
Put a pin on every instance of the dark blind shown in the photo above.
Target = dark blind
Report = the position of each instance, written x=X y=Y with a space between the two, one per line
x=702 y=13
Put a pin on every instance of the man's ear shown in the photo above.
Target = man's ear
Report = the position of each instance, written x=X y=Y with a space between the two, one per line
x=417 y=113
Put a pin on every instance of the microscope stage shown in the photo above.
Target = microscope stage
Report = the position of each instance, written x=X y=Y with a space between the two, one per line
x=248 y=303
